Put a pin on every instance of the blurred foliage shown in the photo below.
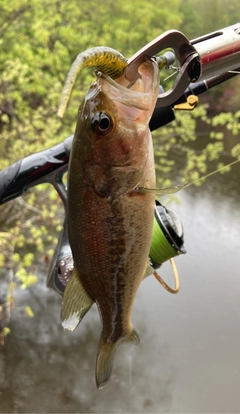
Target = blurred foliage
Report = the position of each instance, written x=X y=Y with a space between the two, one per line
x=39 y=40
x=193 y=145
x=199 y=19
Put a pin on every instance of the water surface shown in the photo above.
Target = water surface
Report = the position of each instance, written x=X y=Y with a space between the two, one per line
x=188 y=359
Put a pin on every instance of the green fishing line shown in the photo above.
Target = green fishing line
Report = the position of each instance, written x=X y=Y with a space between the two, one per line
x=161 y=250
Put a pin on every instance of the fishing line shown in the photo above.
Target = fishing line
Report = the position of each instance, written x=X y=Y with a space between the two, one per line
x=160 y=250
x=176 y=278
x=172 y=74
x=175 y=189
x=166 y=241
x=211 y=173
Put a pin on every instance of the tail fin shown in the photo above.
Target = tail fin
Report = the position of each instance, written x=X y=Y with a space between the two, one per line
x=106 y=352
x=76 y=302
x=104 y=363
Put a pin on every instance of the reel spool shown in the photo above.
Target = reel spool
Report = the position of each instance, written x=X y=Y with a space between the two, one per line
x=167 y=239
x=167 y=242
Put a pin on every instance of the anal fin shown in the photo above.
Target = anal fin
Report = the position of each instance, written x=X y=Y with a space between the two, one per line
x=76 y=302
x=133 y=338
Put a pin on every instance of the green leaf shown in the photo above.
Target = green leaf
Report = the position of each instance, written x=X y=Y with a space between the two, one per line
x=6 y=331
x=29 y=311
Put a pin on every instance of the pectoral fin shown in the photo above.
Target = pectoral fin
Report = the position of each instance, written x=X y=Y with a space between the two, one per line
x=161 y=191
x=76 y=302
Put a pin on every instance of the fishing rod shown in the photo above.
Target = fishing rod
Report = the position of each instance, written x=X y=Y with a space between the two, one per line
x=48 y=165
x=216 y=55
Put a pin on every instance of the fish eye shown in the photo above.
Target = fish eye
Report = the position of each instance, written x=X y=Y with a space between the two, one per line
x=102 y=123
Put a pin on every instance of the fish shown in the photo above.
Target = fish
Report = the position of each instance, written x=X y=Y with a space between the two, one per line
x=110 y=215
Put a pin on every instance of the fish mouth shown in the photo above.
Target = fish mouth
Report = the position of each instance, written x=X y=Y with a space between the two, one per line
x=140 y=94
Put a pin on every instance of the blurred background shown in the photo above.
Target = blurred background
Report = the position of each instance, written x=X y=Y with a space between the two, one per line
x=188 y=359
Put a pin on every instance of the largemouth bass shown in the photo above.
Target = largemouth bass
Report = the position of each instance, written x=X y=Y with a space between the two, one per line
x=110 y=220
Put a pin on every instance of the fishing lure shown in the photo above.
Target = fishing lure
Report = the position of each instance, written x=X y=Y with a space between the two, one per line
x=104 y=59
